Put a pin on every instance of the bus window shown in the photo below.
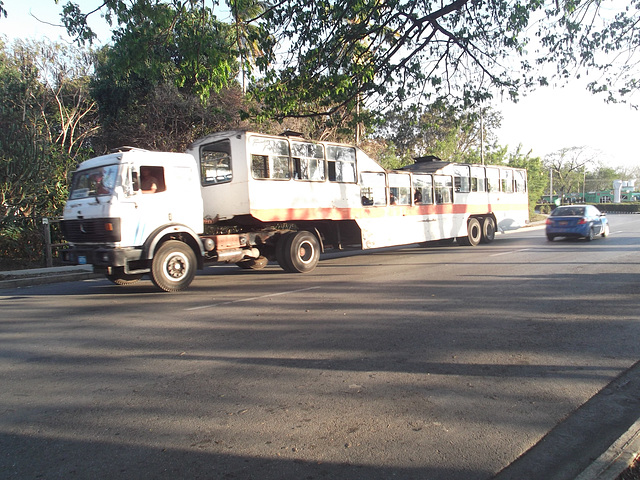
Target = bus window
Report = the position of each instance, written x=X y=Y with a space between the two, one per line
x=520 y=179
x=443 y=188
x=269 y=158
x=215 y=163
x=341 y=162
x=399 y=189
x=493 y=180
x=478 y=180
x=506 y=177
x=373 y=189
x=461 y=178
x=308 y=161
x=422 y=190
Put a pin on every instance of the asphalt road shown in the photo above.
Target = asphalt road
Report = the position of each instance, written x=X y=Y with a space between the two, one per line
x=414 y=363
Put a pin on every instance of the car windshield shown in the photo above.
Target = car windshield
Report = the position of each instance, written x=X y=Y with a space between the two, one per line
x=93 y=182
x=568 y=212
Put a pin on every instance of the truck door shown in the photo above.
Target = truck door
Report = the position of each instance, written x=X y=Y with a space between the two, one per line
x=151 y=207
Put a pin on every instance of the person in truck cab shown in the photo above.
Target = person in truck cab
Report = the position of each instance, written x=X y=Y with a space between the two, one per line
x=149 y=183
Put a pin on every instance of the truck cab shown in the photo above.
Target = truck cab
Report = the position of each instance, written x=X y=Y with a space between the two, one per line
x=123 y=206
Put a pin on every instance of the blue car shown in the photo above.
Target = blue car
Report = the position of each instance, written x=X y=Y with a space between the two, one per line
x=577 y=221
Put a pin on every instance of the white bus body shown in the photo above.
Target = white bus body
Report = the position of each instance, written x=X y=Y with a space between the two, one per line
x=246 y=198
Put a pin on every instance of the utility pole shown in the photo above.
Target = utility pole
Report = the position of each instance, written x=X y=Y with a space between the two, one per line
x=481 y=136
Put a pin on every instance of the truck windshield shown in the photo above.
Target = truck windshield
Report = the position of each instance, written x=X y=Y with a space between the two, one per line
x=94 y=182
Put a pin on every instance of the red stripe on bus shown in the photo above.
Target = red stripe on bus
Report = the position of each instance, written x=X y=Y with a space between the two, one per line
x=292 y=214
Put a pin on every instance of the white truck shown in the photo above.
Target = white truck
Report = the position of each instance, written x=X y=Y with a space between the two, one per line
x=247 y=198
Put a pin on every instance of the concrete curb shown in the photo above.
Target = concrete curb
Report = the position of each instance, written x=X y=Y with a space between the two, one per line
x=617 y=458
x=43 y=276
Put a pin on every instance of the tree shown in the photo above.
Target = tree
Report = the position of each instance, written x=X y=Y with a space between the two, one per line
x=154 y=41
x=441 y=129
x=600 y=179
x=247 y=34
x=568 y=167
x=169 y=76
x=388 y=52
x=316 y=58
x=47 y=116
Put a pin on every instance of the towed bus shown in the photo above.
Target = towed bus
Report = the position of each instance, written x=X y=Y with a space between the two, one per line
x=248 y=198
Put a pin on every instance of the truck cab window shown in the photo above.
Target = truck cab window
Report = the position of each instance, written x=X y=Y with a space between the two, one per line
x=94 y=182
x=152 y=179
x=215 y=163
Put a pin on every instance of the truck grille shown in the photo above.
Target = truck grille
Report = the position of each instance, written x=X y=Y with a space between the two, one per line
x=92 y=230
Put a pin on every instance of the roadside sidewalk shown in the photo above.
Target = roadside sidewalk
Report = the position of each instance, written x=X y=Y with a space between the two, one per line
x=41 y=276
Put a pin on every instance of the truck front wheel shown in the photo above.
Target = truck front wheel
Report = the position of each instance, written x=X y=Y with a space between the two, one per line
x=173 y=267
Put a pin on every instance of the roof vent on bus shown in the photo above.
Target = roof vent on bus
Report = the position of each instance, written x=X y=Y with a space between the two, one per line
x=126 y=149
x=291 y=133
x=427 y=158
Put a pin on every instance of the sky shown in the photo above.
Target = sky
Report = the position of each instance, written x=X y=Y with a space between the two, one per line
x=543 y=122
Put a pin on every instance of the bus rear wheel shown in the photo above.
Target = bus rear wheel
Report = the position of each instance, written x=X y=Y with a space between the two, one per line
x=488 y=230
x=474 y=233
x=298 y=252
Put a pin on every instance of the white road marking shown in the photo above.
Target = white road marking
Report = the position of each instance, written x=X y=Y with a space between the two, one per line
x=509 y=253
x=250 y=299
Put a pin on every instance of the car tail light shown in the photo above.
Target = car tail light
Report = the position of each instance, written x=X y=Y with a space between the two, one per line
x=548 y=222
x=582 y=221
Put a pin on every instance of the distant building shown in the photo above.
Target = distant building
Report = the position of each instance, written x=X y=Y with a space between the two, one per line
x=627 y=192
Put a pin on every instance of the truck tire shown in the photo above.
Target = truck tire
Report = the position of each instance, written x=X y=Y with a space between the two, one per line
x=300 y=252
x=474 y=233
x=118 y=276
x=488 y=230
x=174 y=266
x=280 y=248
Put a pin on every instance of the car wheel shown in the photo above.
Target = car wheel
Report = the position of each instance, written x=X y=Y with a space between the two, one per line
x=550 y=238
x=592 y=235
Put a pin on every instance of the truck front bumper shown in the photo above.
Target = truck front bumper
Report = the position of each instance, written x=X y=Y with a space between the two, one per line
x=101 y=256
